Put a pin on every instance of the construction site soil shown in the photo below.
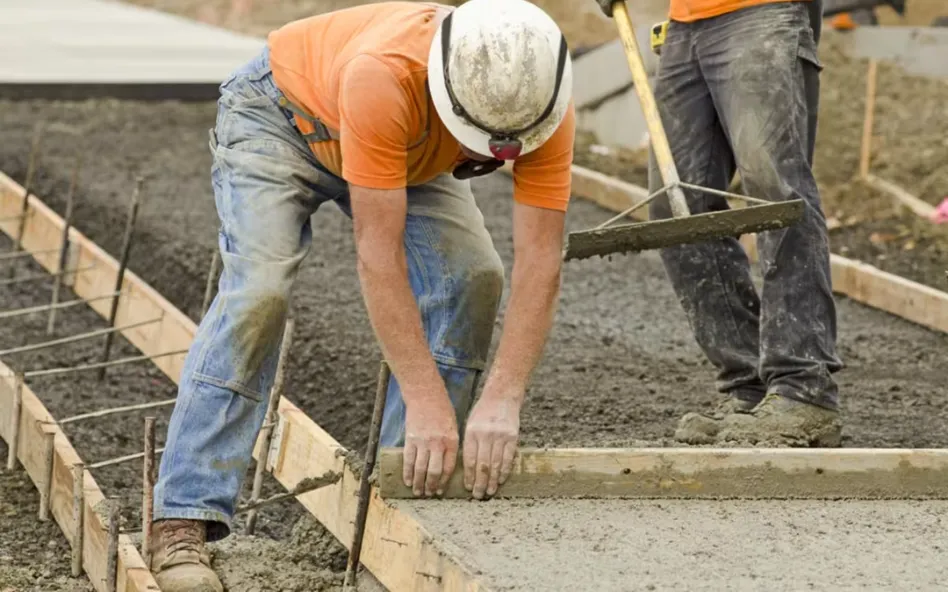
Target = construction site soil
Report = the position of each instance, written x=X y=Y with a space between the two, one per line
x=620 y=367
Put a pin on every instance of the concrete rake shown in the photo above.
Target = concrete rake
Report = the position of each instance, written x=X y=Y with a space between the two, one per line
x=758 y=216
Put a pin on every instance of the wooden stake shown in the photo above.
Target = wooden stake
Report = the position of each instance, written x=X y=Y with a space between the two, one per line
x=123 y=264
x=868 y=120
x=49 y=439
x=115 y=516
x=269 y=422
x=64 y=246
x=78 y=503
x=14 y=443
x=148 y=488
x=27 y=187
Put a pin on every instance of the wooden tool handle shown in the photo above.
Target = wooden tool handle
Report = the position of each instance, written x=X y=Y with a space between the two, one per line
x=663 y=154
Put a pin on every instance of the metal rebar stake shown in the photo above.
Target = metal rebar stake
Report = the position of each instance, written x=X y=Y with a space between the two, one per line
x=115 y=517
x=267 y=436
x=78 y=516
x=64 y=245
x=14 y=443
x=123 y=264
x=371 y=452
x=148 y=488
x=49 y=449
x=209 y=286
x=27 y=186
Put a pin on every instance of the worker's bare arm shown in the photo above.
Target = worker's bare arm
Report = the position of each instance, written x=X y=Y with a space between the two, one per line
x=431 y=433
x=493 y=428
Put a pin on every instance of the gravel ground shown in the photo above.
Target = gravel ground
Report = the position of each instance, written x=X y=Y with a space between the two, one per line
x=620 y=367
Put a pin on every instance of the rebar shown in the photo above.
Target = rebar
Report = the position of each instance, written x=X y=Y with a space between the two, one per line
x=75 y=338
x=11 y=219
x=14 y=443
x=267 y=436
x=115 y=410
x=121 y=459
x=64 y=245
x=121 y=362
x=305 y=486
x=43 y=276
x=123 y=264
x=115 y=516
x=49 y=449
x=78 y=515
x=27 y=186
x=209 y=286
x=21 y=254
x=365 y=488
x=18 y=312
x=148 y=487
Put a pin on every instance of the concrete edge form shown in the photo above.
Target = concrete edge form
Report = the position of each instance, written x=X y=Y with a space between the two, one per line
x=706 y=473
x=34 y=421
x=856 y=280
x=126 y=91
x=398 y=550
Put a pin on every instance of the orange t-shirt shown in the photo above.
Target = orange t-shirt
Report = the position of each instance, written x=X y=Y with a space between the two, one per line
x=362 y=72
x=687 y=11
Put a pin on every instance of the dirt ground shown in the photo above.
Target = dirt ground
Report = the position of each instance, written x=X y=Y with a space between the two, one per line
x=620 y=368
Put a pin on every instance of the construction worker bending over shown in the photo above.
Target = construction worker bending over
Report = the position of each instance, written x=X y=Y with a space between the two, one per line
x=737 y=89
x=386 y=110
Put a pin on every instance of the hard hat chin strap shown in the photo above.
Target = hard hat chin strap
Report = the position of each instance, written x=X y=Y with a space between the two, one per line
x=503 y=144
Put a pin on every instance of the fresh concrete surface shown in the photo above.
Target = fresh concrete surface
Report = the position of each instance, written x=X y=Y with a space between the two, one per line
x=629 y=545
x=103 y=42
x=918 y=50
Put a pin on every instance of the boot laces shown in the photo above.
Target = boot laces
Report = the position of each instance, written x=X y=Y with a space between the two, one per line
x=183 y=536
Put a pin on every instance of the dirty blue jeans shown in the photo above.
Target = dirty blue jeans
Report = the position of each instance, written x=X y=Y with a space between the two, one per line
x=741 y=91
x=267 y=185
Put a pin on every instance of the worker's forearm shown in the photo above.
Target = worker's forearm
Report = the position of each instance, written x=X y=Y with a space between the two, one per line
x=535 y=284
x=395 y=319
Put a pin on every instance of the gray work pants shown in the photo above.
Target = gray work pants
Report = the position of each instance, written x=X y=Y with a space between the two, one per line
x=740 y=92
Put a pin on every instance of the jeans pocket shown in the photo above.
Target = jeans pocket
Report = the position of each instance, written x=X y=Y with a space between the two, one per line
x=806 y=50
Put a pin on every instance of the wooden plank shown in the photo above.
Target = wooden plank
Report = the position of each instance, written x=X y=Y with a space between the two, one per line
x=706 y=473
x=902 y=197
x=414 y=561
x=133 y=576
x=858 y=281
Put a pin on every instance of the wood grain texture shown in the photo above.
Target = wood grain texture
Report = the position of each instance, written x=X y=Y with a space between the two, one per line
x=414 y=561
x=133 y=576
x=706 y=473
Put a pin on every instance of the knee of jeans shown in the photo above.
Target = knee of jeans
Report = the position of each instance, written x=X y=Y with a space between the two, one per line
x=474 y=292
x=240 y=348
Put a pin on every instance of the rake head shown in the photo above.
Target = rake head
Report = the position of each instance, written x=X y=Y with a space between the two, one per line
x=670 y=232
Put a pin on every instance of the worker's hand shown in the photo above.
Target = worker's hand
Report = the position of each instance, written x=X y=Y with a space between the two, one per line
x=606 y=6
x=431 y=445
x=490 y=442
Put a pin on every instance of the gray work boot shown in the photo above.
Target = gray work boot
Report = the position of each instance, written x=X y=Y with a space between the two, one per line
x=179 y=560
x=782 y=422
x=703 y=427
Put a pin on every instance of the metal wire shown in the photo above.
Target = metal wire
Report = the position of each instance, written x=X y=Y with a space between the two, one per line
x=120 y=362
x=640 y=204
x=21 y=254
x=43 y=276
x=724 y=193
x=121 y=459
x=75 y=338
x=115 y=410
x=59 y=305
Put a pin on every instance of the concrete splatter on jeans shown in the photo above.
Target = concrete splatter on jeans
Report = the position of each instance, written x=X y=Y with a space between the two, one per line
x=267 y=185
x=740 y=92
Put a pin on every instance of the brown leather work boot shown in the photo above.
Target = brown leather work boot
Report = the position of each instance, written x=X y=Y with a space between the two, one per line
x=703 y=427
x=179 y=560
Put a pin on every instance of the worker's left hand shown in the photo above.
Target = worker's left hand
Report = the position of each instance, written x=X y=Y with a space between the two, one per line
x=490 y=442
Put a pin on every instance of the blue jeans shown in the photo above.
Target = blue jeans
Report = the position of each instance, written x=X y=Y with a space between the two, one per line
x=267 y=185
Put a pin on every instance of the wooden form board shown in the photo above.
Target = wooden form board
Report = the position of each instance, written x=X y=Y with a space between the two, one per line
x=35 y=420
x=397 y=549
x=859 y=281
x=780 y=473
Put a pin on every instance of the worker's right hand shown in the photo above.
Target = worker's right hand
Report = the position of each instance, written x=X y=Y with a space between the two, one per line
x=606 y=6
x=431 y=444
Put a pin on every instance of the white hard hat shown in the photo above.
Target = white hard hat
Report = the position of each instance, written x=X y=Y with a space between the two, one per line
x=500 y=76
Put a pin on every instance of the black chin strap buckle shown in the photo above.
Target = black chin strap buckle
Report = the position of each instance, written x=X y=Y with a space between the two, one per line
x=472 y=168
